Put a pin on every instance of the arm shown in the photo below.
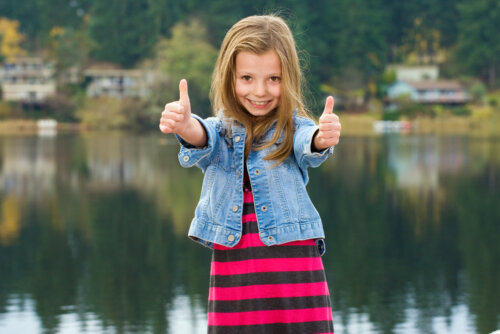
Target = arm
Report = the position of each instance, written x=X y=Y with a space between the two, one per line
x=313 y=144
x=303 y=144
x=194 y=133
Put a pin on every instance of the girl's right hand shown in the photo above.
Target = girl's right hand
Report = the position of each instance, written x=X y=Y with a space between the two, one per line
x=176 y=116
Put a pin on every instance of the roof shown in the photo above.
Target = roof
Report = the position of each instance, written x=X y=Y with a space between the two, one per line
x=435 y=84
x=411 y=67
x=112 y=72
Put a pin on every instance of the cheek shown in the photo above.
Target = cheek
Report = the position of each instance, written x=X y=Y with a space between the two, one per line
x=240 y=90
x=276 y=91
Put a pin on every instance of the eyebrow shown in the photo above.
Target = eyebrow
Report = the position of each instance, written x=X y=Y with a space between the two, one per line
x=250 y=73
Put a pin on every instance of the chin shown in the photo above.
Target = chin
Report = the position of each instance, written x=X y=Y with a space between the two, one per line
x=261 y=113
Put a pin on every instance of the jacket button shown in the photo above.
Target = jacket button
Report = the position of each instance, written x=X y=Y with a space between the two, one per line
x=237 y=139
x=270 y=238
x=264 y=208
x=257 y=172
x=185 y=158
x=235 y=208
x=230 y=238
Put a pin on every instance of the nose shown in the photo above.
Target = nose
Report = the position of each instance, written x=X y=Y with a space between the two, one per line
x=259 y=88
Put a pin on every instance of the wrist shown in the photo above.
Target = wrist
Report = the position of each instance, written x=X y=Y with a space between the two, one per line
x=314 y=147
x=188 y=128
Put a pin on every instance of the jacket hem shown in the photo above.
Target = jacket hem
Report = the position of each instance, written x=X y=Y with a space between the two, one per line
x=208 y=234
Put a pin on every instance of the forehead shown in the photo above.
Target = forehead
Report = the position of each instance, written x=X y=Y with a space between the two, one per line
x=265 y=63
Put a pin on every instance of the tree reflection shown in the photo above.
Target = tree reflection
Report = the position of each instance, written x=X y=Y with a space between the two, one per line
x=97 y=228
x=391 y=249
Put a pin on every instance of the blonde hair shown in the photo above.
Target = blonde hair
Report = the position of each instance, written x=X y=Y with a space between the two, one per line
x=259 y=34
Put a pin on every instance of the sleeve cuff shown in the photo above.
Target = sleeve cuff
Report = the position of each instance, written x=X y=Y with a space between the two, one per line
x=190 y=155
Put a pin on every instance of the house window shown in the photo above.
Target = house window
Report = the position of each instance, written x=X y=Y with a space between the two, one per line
x=32 y=96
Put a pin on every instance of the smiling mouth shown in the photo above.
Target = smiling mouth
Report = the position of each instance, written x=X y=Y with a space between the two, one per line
x=259 y=103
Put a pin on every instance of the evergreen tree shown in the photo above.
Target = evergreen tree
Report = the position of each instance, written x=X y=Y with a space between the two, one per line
x=357 y=43
x=60 y=13
x=125 y=30
x=26 y=13
x=479 y=38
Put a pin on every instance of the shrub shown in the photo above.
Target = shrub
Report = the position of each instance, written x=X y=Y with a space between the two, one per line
x=391 y=115
x=477 y=91
x=460 y=111
x=60 y=107
x=10 y=110
x=102 y=113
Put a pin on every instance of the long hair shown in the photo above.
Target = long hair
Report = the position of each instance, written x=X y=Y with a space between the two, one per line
x=259 y=34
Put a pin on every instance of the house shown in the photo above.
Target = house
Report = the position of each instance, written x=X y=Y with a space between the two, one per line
x=27 y=79
x=415 y=72
x=106 y=80
x=429 y=92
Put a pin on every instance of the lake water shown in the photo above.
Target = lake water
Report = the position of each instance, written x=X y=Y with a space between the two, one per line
x=93 y=235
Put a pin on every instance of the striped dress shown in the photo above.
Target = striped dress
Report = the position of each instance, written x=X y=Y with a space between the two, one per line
x=259 y=289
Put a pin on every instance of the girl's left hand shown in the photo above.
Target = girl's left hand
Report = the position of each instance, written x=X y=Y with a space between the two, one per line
x=329 y=127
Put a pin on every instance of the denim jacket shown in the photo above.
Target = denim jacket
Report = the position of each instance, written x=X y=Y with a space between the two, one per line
x=282 y=206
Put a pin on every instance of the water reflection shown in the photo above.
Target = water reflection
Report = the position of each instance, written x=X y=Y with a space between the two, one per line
x=92 y=235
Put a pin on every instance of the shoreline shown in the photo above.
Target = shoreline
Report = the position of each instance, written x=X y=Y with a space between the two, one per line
x=449 y=125
x=353 y=125
x=30 y=127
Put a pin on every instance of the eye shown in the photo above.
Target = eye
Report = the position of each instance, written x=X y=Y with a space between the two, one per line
x=246 y=77
x=275 y=79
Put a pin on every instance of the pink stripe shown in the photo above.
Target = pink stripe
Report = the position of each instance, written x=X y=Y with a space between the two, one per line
x=251 y=217
x=266 y=265
x=269 y=291
x=308 y=242
x=247 y=197
x=269 y=317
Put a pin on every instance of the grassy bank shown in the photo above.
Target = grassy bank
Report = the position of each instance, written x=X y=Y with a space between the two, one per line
x=363 y=125
x=354 y=125
x=29 y=127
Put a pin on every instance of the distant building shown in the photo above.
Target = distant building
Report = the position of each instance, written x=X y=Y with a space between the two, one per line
x=415 y=73
x=429 y=92
x=117 y=83
x=27 y=79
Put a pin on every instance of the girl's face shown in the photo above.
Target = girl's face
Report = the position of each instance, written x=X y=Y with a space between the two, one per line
x=258 y=81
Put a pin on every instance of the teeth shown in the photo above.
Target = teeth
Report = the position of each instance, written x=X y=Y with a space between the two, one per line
x=259 y=103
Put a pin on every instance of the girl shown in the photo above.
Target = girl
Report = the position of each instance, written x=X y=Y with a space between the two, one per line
x=254 y=212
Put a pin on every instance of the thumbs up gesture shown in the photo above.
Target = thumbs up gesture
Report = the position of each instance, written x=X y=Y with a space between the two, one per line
x=176 y=116
x=329 y=127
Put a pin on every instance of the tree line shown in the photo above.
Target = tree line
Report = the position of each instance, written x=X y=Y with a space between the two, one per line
x=345 y=44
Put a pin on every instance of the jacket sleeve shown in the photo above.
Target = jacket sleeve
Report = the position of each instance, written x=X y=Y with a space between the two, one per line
x=302 y=140
x=190 y=155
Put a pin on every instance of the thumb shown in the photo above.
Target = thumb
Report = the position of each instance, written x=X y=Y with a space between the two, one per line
x=329 y=105
x=183 y=92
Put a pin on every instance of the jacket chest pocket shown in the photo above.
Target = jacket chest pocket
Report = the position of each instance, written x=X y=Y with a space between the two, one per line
x=217 y=194
x=290 y=194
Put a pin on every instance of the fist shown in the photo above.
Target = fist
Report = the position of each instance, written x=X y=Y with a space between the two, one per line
x=176 y=115
x=329 y=127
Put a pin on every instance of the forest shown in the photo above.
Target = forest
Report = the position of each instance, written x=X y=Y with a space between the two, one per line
x=344 y=45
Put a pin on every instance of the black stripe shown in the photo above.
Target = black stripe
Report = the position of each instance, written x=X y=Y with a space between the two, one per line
x=291 y=328
x=250 y=227
x=278 y=277
x=248 y=208
x=265 y=252
x=266 y=304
